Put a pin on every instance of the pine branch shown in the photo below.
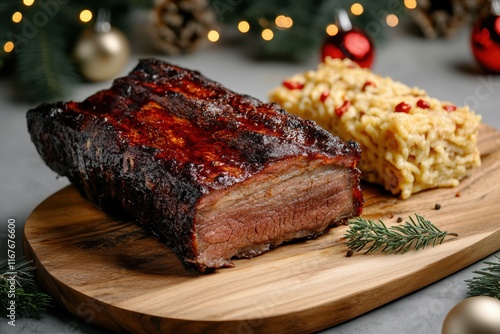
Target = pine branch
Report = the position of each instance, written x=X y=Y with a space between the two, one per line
x=28 y=301
x=6 y=25
x=44 y=69
x=488 y=281
x=395 y=239
x=310 y=18
x=140 y=3
x=41 y=59
x=28 y=304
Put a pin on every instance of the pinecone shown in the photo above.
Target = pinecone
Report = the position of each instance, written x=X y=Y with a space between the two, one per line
x=180 y=26
x=442 y=18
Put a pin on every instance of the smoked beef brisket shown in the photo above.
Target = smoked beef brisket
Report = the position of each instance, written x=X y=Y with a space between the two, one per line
x=212 y=173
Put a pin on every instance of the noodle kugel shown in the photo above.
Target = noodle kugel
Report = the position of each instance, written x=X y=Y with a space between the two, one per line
x=410 y=141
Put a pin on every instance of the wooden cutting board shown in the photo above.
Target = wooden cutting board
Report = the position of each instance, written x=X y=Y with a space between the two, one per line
x=113 y=274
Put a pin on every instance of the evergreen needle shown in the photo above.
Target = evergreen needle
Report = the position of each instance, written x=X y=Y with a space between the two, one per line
x=488 y=281
x=29 y=302
x=415 y=234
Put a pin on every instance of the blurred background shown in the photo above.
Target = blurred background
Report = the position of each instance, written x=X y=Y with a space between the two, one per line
x=48 y=46
x=68 y=49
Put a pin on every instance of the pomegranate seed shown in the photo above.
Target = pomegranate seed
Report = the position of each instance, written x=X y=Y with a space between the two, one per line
x=368 y=83
x=403 y=107
x=293 y=84
x=324 y=95
x=342 y=109
x=450 y=107
x=423 y=104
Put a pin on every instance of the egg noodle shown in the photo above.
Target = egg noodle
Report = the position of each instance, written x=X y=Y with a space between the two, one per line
x=410 y=142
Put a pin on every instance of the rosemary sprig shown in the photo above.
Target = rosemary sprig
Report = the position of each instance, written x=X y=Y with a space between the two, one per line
x=29 y=301
x=488 y=281
x=415 y=234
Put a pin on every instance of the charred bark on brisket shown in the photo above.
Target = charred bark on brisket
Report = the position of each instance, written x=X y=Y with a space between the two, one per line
x=197 y=164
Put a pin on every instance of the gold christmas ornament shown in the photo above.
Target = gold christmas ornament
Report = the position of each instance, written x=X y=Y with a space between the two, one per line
x=102 y=52
x=474 y=315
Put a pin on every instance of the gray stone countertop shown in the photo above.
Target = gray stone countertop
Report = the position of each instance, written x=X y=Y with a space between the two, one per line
x=444 y=68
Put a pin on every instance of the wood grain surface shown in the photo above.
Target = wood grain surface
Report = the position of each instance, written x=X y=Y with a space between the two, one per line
x=110 y=272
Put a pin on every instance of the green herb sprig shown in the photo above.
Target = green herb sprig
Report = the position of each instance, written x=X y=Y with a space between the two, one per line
x=415 y=234
x=488 y=281
x=29 y=301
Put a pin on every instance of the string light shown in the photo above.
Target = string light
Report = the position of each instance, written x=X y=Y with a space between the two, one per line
x=332 y=30
x=213 y=36
x=243 y=26
x=391 y=20
x=28 y=2
x=17 y=17
x=411 y=4
x=283 y=21
x=8 y=46
x=85 y=15
x=357 y=9
x=267 y=34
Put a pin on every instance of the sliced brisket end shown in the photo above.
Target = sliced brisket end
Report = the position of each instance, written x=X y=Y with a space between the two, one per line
x=294 y=198
x=214 y=174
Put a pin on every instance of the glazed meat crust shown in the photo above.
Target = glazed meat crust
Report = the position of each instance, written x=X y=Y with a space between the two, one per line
x=210 y=172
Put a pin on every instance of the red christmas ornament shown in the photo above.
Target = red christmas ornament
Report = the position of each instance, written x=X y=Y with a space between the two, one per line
x=485 y=39
x=349 y=43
